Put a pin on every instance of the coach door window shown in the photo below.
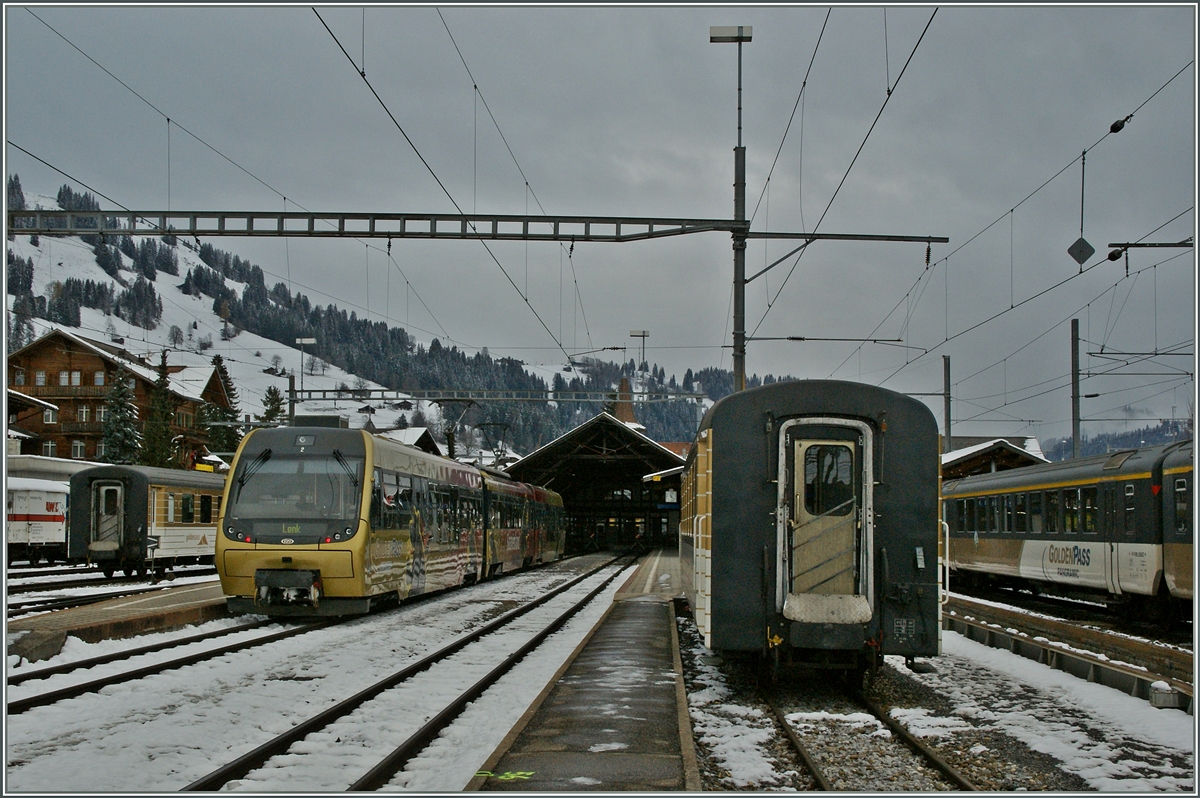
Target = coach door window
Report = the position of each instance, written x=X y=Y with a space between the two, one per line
x=1090 y=507
x=189 y=508
x=1130 y=510
x=1183 y=508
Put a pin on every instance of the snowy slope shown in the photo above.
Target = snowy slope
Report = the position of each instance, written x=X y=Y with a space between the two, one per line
x=246 y=355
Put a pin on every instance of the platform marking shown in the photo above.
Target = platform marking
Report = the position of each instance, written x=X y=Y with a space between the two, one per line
x=508 y=775
x=653 y=572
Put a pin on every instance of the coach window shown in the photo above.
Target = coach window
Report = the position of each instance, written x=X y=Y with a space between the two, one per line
x=1021 y=513
x=1130 y=509
x=1009 y=521
x=1090 y=502
x=960 y=518
x=994 y=520
x=1071 y=511
x=170 y=508
x=1035 y=512
x=189 y=508
x=1053 y=524
x=1183 y=507
x=206 y=509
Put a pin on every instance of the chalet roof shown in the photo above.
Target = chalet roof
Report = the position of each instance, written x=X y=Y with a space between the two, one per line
x=187 y=383
x=997 y=454
x=419 y=437
x=18 y=402
x=599 y=446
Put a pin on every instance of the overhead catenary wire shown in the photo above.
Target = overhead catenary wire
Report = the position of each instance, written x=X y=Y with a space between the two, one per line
x=442 y=185
x=212 y=148
x=528 y=188
x=946 y=259
x=850 y=167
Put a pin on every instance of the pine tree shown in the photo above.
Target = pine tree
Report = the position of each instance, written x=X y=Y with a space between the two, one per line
x=122 y=441
x=223 y=436
x=273 y=406
x=157 y=448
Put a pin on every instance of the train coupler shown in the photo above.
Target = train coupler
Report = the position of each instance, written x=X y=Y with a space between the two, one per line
x=287 y=587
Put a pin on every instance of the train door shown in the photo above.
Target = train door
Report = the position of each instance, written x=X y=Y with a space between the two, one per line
x=825 y=533
x=108 y=517
x=1110 y=533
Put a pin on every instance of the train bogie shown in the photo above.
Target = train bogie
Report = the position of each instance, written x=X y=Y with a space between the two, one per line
x=809 y=526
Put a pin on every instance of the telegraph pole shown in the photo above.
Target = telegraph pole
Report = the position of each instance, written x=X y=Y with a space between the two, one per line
x=946 y=445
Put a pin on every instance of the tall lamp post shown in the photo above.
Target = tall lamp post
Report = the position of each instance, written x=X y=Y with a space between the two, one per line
x=739 y=34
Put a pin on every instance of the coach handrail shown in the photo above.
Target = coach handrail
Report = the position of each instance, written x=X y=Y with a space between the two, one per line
x=945 y=564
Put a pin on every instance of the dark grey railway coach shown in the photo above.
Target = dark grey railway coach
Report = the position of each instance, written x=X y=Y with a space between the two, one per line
x=809 y=527
x=138 y=518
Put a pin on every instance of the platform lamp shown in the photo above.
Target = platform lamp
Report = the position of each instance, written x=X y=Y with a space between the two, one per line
x=721 y=34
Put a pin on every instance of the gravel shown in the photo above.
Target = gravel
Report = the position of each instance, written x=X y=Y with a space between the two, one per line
x=740 y=746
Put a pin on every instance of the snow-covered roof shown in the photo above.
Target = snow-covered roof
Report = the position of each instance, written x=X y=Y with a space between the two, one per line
x=997 y=443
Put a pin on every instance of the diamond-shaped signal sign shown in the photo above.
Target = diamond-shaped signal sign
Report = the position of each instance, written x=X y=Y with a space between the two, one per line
x=1081 y=250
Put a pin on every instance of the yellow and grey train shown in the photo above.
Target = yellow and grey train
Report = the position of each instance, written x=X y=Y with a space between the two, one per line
x=326 y=521
x=1116 y=527
x=809 y=527
x=138 y=518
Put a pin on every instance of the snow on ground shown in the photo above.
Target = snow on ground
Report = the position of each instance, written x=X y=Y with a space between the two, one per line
x=1112 y=740
x=163 y=732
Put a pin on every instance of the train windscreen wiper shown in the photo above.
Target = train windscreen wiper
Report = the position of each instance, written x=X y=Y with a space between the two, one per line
x=337 y=455
x=252 y=469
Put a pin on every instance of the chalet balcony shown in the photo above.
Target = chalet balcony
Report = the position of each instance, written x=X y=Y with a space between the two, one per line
x=64 y=391
x=82 y=428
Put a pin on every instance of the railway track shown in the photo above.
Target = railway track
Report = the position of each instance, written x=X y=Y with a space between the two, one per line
x=844 y=748
x=15 y=609
x=392 y=699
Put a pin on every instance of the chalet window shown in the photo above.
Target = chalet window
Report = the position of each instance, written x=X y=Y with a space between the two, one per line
x=101 y=413
x=77 y=450
x=76 y=378
x=84 y=413
x=49 y=416
x=132 y=383
x=19 y=377
x=100 y=450
x=99 y=378
x=64 y=378
x=39 y=378
x=49 y=449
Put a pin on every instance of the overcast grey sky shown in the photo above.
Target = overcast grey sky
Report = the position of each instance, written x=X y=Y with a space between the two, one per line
x=631 y=111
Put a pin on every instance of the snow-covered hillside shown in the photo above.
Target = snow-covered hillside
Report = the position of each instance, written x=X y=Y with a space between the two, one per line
x=246 y=356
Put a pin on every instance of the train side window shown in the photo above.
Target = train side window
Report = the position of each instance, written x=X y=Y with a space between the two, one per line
x=1009 y=519
x=1183 y=507
x=1090 y=507
x=1052 y=519
x=960 y=521
x=1035 y=512
x=1130 y=509
x=970 y=520
x=387 y=509
x=1070 y=511
x=994 y=514
x=170 y=508
x=189 y=508
x=1020 y=512
x=206 y=506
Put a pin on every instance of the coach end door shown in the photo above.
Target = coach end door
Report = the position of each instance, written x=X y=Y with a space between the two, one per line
x=824 y=513
x=108 y=516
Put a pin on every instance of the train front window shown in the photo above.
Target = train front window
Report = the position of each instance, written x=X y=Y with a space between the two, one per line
x=301 y=488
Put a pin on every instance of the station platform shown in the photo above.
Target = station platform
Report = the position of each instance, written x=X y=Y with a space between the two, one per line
x=615 y=716
x=39 y=637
